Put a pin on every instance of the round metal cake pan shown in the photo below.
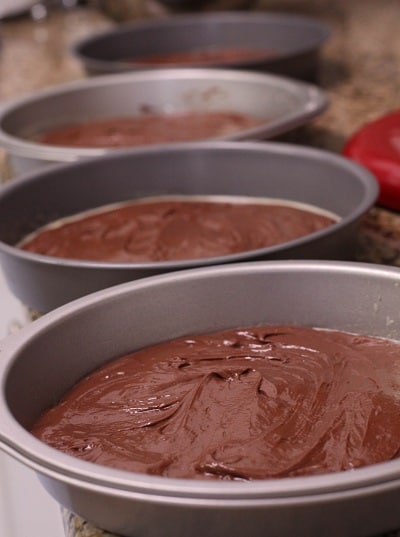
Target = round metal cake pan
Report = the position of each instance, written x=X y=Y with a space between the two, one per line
x=266 y=170
x=280 y=104
x=291 y=42
x=48 y=356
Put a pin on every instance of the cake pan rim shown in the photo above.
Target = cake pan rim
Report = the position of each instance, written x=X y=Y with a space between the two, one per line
x=365 y=177
x=314 y=102
x=220 y=17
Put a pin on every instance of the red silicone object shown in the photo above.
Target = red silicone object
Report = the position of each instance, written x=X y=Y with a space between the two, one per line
x=377 y=147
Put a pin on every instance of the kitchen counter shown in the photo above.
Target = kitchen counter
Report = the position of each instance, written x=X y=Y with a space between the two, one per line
x=359 y=71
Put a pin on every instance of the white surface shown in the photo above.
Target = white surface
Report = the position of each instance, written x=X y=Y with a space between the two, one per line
x=26 y=509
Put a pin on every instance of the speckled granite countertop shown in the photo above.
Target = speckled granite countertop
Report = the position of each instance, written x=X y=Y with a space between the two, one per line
x=360 y=71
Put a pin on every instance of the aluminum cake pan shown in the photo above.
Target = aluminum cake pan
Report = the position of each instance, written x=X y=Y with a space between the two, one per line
x=51 y=354
x=271 y=170
x=279 y=103
x=294 y=41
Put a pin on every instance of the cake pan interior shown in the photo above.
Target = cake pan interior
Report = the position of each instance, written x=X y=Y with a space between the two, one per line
x=289 y=43
x=280 y=105
x=50 y=355
x=272 y=170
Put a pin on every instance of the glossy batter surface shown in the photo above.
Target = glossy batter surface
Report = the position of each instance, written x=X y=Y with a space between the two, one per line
x=166 y=230
x=251 y=403
x=148 y=129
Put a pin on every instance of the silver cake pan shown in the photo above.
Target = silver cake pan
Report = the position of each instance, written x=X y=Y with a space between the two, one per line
x=294 y=40
x=271 y=170
x=48 y=356
x=280 y=104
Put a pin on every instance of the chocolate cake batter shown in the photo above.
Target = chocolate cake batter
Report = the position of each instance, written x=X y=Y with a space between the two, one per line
x=206 y=56
x=149 y=129
x=242 y=404
x=168 y=229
